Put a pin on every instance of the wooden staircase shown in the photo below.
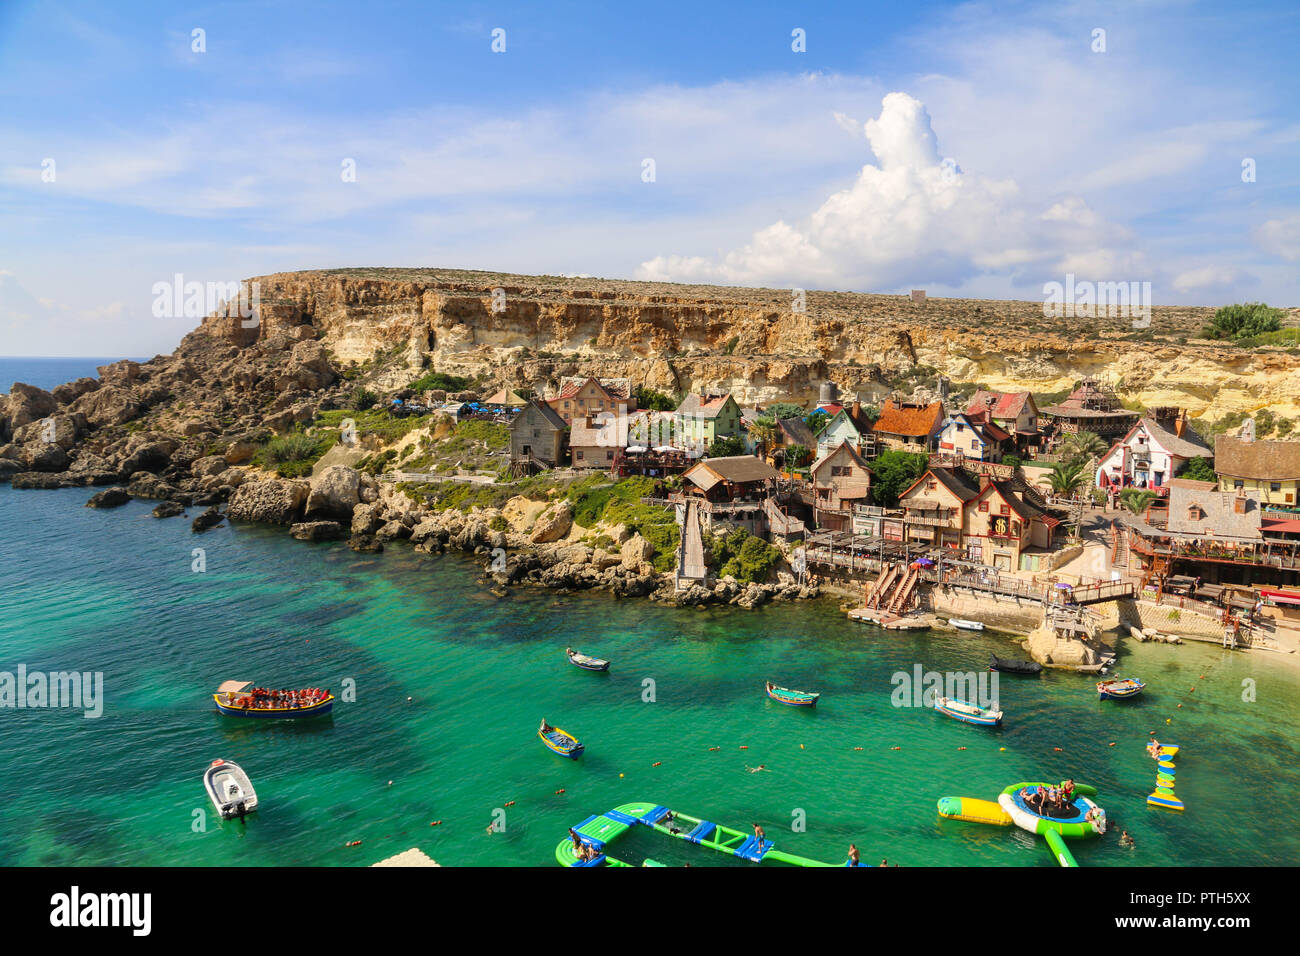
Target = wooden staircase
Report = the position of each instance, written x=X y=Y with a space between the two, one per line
x=903 y=594
x=881 y=588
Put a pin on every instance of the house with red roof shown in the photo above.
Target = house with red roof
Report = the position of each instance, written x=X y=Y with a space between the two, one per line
x=1015 y=413
x=580 y=397
x=908 y=426
x=962 y=436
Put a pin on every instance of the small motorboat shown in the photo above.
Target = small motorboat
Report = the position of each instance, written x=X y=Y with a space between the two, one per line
x=231 y=791
x=560 y=741
x=791 y=698
x=586 y=662
x=234 y=699
x=964 y=625
x=1120 y=688
x=967 y=712
x=1009 y=666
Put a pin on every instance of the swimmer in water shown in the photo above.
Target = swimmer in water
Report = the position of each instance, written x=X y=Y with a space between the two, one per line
x=756 y=769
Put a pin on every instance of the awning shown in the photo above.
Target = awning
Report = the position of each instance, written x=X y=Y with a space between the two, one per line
x=233 y=686
x=1280 y=597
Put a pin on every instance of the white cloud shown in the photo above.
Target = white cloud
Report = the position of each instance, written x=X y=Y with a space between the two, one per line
x=1206 y=278
x=1280 y=237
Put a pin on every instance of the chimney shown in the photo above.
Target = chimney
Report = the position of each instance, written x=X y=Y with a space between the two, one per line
x=1180 y=426
x=1239 y=503
x=856 y=412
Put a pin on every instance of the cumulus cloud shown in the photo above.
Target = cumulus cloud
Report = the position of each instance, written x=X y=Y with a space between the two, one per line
x=916 y=217
x=1280 y=237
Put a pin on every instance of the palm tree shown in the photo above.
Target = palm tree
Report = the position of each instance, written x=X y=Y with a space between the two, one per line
x=1082 y=446
x=1137 y=500
x=1064 y=478
x=763 y=431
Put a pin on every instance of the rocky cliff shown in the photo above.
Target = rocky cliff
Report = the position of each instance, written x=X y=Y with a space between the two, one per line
x=530 y=330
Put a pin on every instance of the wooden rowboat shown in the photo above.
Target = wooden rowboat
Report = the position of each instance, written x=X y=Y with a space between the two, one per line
x=586 y=662
x=1120 y=688
x=235 y=700
x=791 y=698
x=560 y=742
x=968 y=713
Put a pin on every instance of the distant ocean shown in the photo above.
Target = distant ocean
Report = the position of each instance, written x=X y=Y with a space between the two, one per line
x=47 y=372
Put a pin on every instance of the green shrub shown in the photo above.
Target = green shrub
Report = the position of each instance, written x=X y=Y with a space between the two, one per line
x=1243 y=321
x=449 y=383
x=363 y=398
x=292 y=456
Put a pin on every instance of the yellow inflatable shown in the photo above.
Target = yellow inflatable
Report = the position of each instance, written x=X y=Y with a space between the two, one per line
x=973 y=811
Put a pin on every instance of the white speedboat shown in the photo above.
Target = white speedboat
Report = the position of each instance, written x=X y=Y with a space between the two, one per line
x=231 y=791
x=965 y=625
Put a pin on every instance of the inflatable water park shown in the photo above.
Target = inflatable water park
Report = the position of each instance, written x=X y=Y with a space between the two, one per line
x=1164 y=793
x=1056 y=812
x=590 y=840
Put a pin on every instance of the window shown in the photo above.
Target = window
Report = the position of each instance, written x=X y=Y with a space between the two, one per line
x=579 y=456
x=932 y=485
x=1275 y=486
x=1005 y=510
x=984 y=507
x=1238 y=483
x=609 y=456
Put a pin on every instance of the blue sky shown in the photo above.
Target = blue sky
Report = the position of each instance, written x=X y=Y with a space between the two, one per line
x=968 y=149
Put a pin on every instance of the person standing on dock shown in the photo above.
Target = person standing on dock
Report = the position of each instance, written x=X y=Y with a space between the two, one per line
x=758 y=832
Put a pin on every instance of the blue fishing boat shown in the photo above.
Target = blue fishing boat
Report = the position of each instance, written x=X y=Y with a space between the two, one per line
x=234 y=699
x=1120 y=688
x=967 y=712
x=560 y=741
x=791 y=698
x=586 y=662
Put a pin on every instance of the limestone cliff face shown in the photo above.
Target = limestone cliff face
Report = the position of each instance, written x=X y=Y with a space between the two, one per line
x=530 y=330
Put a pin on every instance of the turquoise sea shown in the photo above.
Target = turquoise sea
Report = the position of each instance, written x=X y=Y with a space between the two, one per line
x=114 y=591
x=47 y=372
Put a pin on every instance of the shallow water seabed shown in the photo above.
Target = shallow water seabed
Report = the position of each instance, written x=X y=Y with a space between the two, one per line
x=113 y=591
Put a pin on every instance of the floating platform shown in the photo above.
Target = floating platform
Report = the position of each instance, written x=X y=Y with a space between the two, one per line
x=891 y=622
x=1164 y=792
x=1072 y=822
x=599 y=830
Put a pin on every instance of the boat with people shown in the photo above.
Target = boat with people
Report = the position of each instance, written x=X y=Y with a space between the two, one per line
x=1007 y=665
x=1120 y=688
x=234 y=699
x=791 y=698
x=962 y=624
x=588 y=842
x=586 y=662
x=560 y=741
x=968 y=712
x=229 y=788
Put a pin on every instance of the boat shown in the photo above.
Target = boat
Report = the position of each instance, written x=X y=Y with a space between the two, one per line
x=965 y=625
x=234 y=699
x=560 y=741
x=231 y=791
x=599 y=830
x=791 y=698
x=586 y=662
x=1120 y=688
x=967 y=712
x=1008 y=665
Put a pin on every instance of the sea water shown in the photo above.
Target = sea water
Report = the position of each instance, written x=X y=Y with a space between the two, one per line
x=451 y=681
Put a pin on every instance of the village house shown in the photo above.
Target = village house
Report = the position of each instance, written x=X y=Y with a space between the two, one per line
x=1269 y=469
x=733 y=489
x=1015 y=413
x=1151 y=453
x=841 y=479
x=908 y=426
x=579 y=397
x=961 y=436
x=596 y=440
x=1200 y=508
x=992 y=523
x=848 y=424
x=700 y=419
x=1091 y=407
x=538 y=437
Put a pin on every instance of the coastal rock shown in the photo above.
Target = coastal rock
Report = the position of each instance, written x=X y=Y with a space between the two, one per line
x=210 y=466
x=145 y=484
x=240 y=452
x=392 y=530
x=334 y=493
x=109 y=498
x=368 y=518
x=270 y=501
x=71 y=391
x=168 y=509
x=42 y=480
x=553 y=523
x=208 y=519
x=635 y=552
x=365 y=543
x=23 y=405
x=317 y=531
x=108 y=405
x=1046 y=647
x=152 y=456
x=693 y=596
x=9 y=467
x=62 y=430
x=43 y=456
